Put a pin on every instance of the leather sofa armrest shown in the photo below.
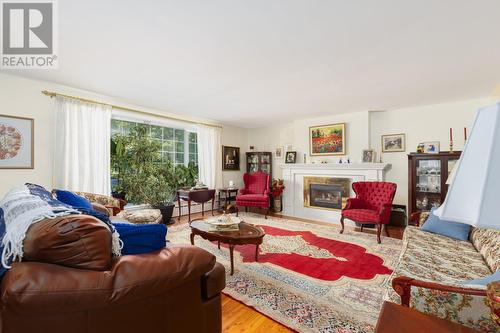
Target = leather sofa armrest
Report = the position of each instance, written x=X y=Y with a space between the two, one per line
x=213 y=282
x=33 y=287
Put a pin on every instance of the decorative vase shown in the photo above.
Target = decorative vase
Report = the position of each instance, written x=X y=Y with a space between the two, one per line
x=277 y=204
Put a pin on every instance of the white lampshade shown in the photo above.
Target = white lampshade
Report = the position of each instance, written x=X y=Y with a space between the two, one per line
x=474 y=193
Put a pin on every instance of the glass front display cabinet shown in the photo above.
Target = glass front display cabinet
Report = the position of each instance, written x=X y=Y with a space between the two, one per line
x=427 y=175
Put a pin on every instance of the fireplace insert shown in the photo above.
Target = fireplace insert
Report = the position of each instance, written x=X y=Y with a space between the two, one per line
x=325 y=196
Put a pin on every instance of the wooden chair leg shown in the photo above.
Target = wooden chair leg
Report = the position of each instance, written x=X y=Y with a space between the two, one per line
x=386 y=230
x=362 y=227
x=246 y=209
x=379 y=229
x=267 y=212
x=342 y=223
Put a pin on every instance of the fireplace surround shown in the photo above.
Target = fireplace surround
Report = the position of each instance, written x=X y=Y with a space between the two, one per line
x=296 y=202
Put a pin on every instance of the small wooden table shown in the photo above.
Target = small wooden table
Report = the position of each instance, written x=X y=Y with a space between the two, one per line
x=198 y=196
x=247 y=234
x=395 y=318
x=229 y=194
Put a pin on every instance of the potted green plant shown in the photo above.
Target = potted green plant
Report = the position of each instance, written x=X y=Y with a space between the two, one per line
x=142 y=176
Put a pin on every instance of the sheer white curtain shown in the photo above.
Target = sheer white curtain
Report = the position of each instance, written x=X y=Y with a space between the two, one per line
x=210 y=155
x=82 y=152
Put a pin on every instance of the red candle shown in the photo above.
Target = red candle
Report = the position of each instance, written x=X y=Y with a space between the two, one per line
x=451 y=134
x=465 y=133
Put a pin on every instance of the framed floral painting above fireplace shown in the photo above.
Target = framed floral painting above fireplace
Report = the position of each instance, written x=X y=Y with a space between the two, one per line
x=327 y=140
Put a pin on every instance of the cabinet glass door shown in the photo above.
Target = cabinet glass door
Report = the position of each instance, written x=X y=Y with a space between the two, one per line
x=428 y=184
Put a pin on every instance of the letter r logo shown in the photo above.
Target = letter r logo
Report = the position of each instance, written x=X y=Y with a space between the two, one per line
x=27 y=28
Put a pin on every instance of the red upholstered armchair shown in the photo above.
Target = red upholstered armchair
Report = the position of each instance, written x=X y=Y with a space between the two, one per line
x=372 y=205
x=256 y=191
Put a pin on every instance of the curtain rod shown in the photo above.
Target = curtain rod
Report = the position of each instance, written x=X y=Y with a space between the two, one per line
x=54 y=94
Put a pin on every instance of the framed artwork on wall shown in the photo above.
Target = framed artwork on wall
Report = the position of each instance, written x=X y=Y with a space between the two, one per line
x=368 y=156
x=393 y=143
x=16 y=142
x=279 y=152
x=291 y=157
x=230 y=158
x=327 y=140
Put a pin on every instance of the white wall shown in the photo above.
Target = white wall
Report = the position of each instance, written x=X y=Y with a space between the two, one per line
x=423 y=123
x=235 y=137
x=23 y=97
x=296 y=133
x=364 y=130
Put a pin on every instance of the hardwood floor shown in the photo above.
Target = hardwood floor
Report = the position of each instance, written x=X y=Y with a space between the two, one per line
x=238 y=318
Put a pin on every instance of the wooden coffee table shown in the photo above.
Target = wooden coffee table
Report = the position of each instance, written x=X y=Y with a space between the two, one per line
x=247 y=234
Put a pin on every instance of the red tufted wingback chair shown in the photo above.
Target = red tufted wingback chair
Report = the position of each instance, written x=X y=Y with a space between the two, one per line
x=372 y=205
x=256 y=191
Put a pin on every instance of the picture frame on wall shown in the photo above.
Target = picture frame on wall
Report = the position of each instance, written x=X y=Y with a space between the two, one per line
x=17 y=142
x=327 y=140
x=291 y=157
x=230 y=158
x=279 y=152
x=392 y=143
x=368 y=156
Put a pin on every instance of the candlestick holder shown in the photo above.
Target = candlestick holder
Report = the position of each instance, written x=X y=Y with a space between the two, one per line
x=451 y=146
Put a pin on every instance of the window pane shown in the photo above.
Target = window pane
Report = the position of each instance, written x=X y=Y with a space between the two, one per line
x=168 y=133
x=179 y=147
x=179 y=135
x=156 y=132
x=179 y=158
x=193 y=158
x=192 y=137
x=168 y=146
x=193 y=148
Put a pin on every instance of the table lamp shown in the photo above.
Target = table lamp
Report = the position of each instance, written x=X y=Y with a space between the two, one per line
x=475 y=181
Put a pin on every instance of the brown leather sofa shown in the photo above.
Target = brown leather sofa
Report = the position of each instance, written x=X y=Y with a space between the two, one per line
x=69 y=282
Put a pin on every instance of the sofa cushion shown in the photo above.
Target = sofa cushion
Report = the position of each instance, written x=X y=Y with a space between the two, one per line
x=487 y=242
x=78 y=241
x=141 y=216
x=72 y=199
x=450 y=229
x=434 y=258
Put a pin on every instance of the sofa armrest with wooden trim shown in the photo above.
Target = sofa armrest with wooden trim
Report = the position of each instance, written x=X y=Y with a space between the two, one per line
x=432 y=269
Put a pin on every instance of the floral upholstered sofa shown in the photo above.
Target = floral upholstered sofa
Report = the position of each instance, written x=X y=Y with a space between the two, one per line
x=431 y=271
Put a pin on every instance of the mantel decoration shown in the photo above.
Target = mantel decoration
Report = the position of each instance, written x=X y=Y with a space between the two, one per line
x=277 y=189
x=327 y=140
x=16 y=142
x=230 y=158
x=393 y=143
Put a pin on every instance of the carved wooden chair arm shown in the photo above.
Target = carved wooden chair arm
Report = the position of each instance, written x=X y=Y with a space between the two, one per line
x=402 y=286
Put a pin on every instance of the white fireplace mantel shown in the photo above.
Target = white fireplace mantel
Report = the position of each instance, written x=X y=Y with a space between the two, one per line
x=293 y=176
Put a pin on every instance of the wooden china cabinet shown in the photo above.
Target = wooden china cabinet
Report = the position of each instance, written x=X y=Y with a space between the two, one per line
x=260 y=161
x=427 y=175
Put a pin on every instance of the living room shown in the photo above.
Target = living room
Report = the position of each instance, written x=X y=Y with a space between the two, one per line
x=303 y=166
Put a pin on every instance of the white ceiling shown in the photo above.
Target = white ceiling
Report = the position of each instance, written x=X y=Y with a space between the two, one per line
x=255 y=62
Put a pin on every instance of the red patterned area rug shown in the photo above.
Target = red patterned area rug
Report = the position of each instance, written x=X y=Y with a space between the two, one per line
x=309 y=277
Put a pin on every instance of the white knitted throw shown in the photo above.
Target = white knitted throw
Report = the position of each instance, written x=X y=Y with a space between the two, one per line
x=21 y=210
